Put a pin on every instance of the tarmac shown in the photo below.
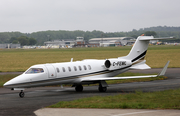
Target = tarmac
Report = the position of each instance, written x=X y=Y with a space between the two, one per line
x=104 y=112
x=107 y=112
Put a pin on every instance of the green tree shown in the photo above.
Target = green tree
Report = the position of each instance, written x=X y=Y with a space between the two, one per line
x=13 y=39
x=32 y=41
x=15 y=42
x=23 y=40
x=4 y=37
x=150 y=33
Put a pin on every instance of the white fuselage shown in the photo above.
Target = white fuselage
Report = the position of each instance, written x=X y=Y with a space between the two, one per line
x=68 y=73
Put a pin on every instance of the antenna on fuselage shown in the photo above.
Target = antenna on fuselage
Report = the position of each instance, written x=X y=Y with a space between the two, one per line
x=61 y=86
x=71 y=60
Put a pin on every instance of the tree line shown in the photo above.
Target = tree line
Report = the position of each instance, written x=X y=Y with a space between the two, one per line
x=42 y=36
x=23 y=40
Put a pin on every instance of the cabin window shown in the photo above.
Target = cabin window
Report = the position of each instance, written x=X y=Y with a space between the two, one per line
x=57 y=70
x=80 y=68
x=85 y=67
x=35 y=70
x=69 y=69
x=63 y=69
x=89 y=67
x=75 y=69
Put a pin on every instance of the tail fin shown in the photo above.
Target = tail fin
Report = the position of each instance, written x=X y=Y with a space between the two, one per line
x=140 y=47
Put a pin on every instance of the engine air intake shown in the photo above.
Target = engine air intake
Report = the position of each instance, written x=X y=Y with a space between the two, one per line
x=107 y=64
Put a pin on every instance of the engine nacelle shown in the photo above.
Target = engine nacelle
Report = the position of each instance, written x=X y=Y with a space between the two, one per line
x=113 y=64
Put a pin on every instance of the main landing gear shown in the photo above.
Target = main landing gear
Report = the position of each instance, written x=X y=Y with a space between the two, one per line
x=21 y=94
x=103 y=86
x=79 y=88
x=102 y=89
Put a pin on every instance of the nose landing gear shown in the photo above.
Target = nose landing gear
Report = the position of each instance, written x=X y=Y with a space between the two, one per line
x=21 y=94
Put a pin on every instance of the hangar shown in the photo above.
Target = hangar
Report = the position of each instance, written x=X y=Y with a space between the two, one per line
x=59 y=43
x=67 y=43
x=9 y=45
x=113 y=41
x=94 y=42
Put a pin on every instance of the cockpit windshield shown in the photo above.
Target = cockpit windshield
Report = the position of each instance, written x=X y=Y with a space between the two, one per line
x=35 y=70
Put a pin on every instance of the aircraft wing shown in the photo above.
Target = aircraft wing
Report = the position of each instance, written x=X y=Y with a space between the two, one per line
x=128 y=77
x=117 y=78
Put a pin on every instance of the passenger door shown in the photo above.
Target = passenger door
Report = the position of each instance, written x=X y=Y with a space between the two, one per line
x=51 y=70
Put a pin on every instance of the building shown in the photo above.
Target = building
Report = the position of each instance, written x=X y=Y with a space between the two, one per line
x=60 y=43
x=9 y=45
x=79 y=42
x=113 y=41
x=94 y=42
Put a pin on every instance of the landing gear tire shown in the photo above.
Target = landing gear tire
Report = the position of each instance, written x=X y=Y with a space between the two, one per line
x=21 y=94
x=79 y=88
x=102 y=89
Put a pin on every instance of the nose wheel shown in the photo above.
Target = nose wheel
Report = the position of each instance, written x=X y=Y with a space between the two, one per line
x=21 y=94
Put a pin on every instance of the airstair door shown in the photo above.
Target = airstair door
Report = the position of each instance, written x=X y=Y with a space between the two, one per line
x=51 y=71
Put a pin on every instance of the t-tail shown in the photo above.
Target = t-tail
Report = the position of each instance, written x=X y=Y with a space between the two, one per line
x=138 y=51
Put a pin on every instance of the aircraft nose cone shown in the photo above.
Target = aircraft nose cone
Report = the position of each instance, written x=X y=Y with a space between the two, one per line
x=10 y=83
x=7 y=84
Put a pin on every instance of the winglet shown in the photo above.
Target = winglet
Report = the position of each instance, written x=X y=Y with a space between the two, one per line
x=164 y=69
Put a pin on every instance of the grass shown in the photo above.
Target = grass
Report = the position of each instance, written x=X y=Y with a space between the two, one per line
x=5 y=78
x=158 y=55
x=168 y=99
x=13 y=60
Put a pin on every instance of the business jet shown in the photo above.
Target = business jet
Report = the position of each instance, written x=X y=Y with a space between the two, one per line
x=88 y=71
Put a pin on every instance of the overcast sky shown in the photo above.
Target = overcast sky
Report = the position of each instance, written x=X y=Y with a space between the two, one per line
x=29 y=16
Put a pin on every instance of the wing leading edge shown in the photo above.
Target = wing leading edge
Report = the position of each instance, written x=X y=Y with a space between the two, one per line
x=128 y=77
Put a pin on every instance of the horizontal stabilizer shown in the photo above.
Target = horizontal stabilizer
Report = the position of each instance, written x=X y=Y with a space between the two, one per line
x=141 y=65
x=144 y=38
